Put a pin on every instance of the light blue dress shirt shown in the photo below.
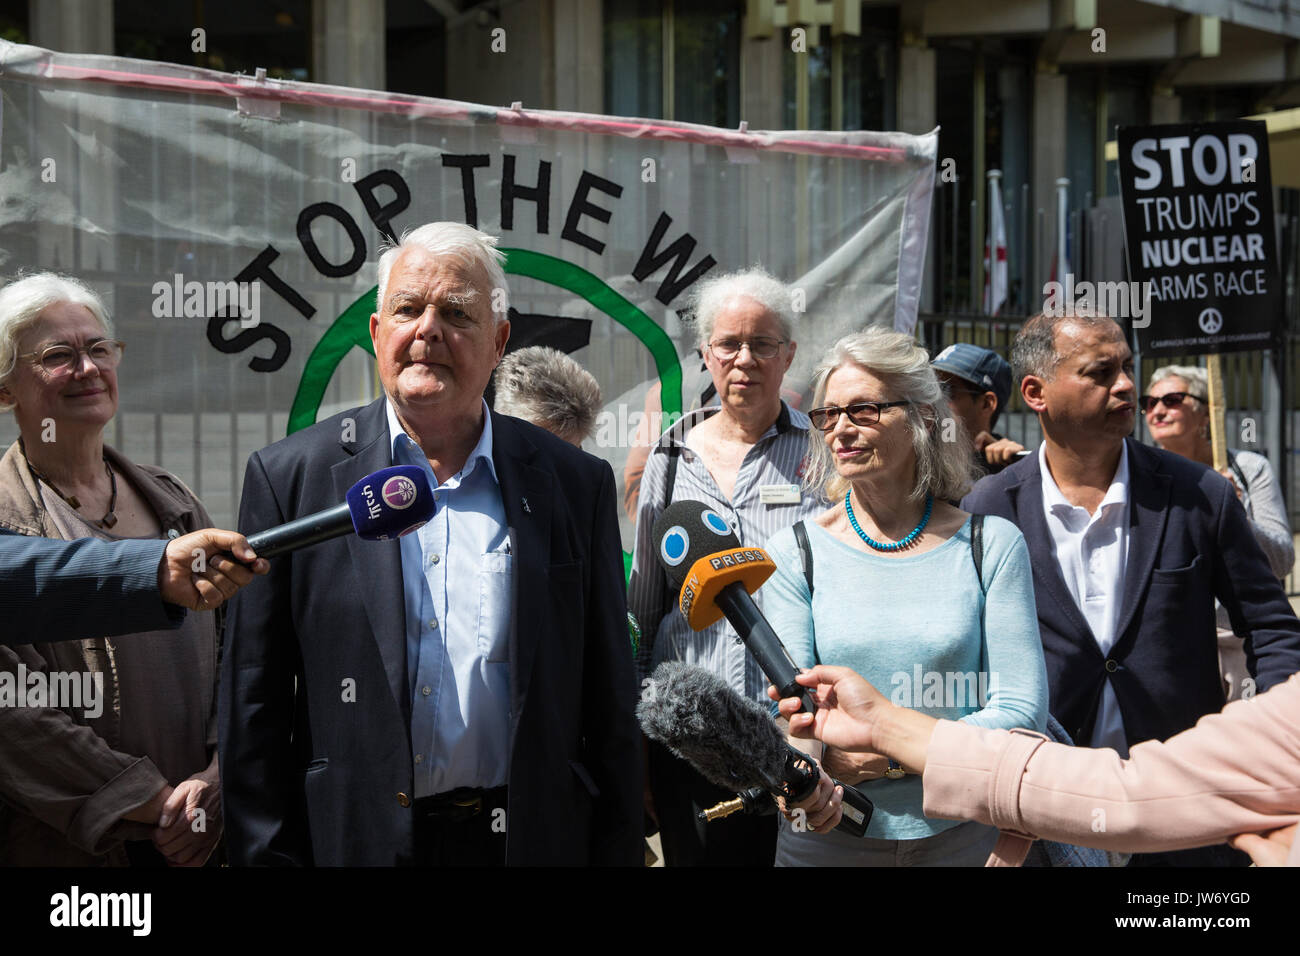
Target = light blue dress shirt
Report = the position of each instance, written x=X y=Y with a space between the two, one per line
x=457 y=573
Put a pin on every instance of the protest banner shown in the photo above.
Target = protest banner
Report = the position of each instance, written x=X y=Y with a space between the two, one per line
x=233 y=223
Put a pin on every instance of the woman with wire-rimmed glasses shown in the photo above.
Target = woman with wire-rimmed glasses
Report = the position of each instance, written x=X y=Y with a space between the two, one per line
x=120 y=776
x=743 y=456
x=895 y=591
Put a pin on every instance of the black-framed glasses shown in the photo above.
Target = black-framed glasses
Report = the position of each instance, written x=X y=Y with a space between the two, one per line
x=725 y=350
x=1170 y=400
x=860 y=413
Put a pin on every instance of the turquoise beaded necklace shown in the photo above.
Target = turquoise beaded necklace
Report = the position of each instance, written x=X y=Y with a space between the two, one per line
x=897 y=545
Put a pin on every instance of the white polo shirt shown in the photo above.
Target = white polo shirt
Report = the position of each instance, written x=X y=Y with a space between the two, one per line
x=1092 y=553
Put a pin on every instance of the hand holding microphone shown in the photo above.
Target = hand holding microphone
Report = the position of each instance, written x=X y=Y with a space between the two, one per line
x=734 y=743
x=384 y=505
x=704 y=559
x=204 y=568
x=222 y=575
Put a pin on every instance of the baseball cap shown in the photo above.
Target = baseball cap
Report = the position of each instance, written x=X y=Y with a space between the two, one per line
x=986 y=370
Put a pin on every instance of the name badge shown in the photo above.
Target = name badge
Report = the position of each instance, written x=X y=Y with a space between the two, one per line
x=779 y=494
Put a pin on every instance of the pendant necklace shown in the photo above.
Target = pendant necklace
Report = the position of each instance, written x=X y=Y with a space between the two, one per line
x=110 y=516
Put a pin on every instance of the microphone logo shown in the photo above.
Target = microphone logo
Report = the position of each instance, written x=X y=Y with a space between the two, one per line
x=674 y=546
x=715 y=523
x=399 y=492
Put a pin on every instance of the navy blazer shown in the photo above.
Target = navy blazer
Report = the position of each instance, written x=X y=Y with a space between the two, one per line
x=70 y=590
x=308 y=778
x=1189 y=542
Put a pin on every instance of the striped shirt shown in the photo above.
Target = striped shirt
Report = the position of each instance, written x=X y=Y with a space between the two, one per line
x=776 y=459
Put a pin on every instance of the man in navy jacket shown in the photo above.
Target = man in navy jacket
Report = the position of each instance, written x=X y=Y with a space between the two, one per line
x=1126 y=571
x=357 y=674
x=89 y=588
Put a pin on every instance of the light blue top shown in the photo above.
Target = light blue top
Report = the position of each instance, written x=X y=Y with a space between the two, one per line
x=919 y=629
x=456 y=581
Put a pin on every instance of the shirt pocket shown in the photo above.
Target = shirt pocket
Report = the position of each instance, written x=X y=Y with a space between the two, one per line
x=495 y=575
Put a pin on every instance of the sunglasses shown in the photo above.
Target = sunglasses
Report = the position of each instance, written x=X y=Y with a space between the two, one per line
x=860 y=413
x=1170 y=400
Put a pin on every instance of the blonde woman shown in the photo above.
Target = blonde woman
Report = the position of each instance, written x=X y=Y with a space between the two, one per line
x=895 y=594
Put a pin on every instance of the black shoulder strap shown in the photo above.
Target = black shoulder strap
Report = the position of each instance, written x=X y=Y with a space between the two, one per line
x=670 y=478
x=805 y=552
x=977 y=547
x=1236 y=470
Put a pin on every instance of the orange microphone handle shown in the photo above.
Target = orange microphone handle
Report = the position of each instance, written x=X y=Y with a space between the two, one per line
x=706 y=578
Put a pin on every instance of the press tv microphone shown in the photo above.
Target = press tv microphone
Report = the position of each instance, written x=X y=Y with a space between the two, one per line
x=387 y=504
x=704 y=559
x=733 y=742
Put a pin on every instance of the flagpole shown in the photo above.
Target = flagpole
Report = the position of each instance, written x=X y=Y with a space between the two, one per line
x=1218 y=407
x=1062 y=225
x=995 y=248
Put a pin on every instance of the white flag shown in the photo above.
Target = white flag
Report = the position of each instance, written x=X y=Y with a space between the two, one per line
x=995 y=250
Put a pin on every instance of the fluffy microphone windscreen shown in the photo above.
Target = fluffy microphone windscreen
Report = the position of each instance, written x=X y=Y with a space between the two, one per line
x=391 y=502
x=732 y=741
x=686 y=532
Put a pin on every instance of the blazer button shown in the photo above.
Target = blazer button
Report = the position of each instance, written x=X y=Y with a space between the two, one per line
x=1111 y=666
x=403 y=800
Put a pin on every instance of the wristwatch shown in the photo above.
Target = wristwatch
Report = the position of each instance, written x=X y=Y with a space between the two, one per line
x=895 y=771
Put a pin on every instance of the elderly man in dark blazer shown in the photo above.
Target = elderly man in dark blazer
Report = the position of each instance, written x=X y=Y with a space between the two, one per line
x=1130 y=546
x=461 y=696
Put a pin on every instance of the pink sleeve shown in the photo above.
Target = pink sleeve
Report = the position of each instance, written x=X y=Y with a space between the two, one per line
x=1234 y=772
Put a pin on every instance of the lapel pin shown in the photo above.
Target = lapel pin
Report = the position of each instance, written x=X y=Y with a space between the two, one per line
x=527 y=510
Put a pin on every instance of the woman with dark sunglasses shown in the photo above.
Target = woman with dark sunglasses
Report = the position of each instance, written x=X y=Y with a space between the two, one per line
x=896 y=593
x=1178 y=416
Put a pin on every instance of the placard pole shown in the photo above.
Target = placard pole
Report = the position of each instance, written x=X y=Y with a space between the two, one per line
x=1218 y=428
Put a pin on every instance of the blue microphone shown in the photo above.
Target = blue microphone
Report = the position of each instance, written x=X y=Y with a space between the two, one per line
x=380 y=507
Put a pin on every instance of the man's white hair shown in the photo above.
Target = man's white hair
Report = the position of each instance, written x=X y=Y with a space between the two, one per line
x=465 y=245
x=548 y=388
x=24 y=299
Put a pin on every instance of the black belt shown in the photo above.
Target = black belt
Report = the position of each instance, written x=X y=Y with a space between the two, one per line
x=463 y=803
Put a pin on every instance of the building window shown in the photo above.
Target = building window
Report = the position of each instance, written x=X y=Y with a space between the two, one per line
x=1128 y=103
x=815 y=65
x=869 y=81
x=955 y=70
x=1081 y=138
x=1007 y=111
x=415 y=48
x=13 y=21
x=673 y=60
x=706 y=62
x=237 y=39
x=634 y=55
